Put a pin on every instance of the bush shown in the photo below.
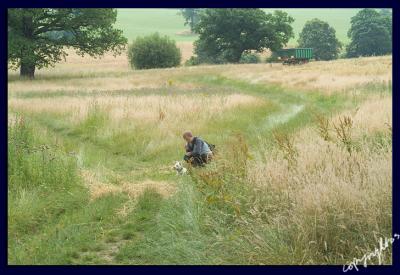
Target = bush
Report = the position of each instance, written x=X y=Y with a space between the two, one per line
x=248 y=57
x=154 y=51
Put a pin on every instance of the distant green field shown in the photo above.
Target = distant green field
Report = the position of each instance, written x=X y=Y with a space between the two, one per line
x=136 y=22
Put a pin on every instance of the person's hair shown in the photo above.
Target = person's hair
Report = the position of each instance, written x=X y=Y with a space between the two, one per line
x=187 y=134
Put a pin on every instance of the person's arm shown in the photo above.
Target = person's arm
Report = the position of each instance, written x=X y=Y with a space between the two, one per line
x=188 y=149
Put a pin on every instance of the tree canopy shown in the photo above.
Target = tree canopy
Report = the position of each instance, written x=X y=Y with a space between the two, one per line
x=224 y=34
x=38 y=38
x=370 y=33
x=321 y=37
x=191 y=17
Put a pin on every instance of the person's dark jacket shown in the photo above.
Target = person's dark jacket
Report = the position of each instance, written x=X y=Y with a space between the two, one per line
x=198 y=147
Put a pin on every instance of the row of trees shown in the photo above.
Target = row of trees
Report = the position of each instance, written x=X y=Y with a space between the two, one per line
x=38 y=37
x=225 y=34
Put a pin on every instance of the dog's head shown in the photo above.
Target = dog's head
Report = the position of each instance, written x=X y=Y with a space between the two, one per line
x=178 y=166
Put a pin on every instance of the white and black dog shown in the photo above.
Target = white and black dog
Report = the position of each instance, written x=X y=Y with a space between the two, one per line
x=180 y=170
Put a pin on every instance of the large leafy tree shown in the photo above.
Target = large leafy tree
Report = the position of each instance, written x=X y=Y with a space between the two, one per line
x=224 y=34
x=191 y=17
x=321 y=37
x=370 y=34
x=38 y=38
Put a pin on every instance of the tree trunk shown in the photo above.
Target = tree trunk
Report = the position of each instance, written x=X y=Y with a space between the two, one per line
x=236 y=55
x=27 y=70
x=28 y=53
x=192 y=23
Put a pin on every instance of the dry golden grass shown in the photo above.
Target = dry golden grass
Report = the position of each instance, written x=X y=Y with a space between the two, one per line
x=375 y=115
x=129 y=82
x=151 y=108
x=186 y=49
x=327 y=76
x=108 y=63
x=98 y=189
x=331 y=189
x=114 y=74
x=72 y=79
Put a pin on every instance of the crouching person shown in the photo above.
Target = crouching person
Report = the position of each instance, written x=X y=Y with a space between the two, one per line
x=198 y=152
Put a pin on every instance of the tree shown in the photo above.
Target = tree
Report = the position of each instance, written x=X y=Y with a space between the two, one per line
x=321 y=37
x=224 y=34
x=370 y=34
x=154 y=51
x=191 y=17
x=38 y=38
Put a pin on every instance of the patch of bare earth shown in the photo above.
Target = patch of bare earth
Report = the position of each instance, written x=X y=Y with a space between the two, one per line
x=98 y=189
x=112 y=249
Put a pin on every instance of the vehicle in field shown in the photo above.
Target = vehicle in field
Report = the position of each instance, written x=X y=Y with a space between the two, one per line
x=294 y=56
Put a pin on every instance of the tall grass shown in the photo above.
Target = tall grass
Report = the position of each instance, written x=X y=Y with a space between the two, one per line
x=43 y=182
x=196 y=225
x=329 y=206
x=298 y=178
x=49 y=218
x=335 y=203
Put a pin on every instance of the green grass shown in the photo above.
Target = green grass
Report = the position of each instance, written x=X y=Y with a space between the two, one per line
x=139 y=22
x=215 y=217
x=50 y=218
x=339 y=19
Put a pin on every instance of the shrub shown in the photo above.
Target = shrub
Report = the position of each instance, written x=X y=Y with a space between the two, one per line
x=248 y=57
x=154 y=51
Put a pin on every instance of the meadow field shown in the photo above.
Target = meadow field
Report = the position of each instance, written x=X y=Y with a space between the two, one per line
x=302 y=173
x=139 y=22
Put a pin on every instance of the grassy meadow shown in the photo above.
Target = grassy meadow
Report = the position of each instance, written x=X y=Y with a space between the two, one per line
x=302 y=175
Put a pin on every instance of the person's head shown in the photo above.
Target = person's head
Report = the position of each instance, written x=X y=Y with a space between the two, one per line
x=188 y=136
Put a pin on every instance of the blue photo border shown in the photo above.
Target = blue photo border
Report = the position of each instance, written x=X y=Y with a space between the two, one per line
x=282 y=269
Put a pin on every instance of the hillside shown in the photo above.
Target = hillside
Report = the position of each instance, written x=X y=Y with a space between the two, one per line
x=136 y=22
